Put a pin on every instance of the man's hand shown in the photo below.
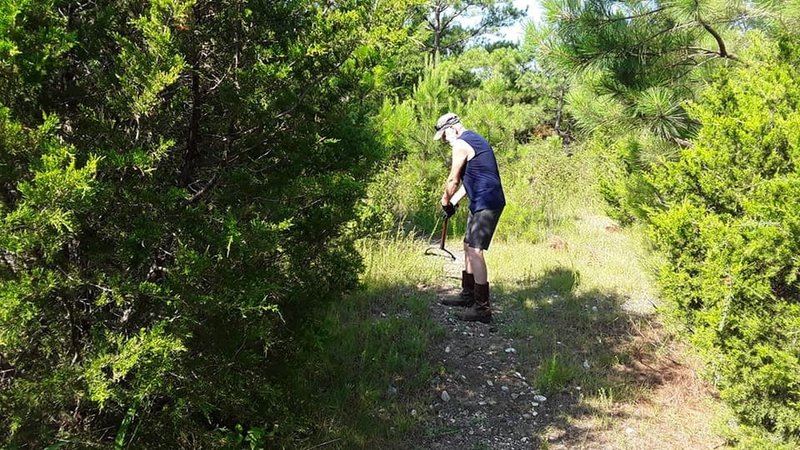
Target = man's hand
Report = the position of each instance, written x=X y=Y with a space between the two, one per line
x=448 y=211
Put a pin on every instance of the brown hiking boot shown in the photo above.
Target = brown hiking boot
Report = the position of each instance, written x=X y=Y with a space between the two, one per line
x=481 y=311
x=466 y=297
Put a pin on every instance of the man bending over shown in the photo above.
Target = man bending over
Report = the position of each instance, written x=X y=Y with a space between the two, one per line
x=474 y=158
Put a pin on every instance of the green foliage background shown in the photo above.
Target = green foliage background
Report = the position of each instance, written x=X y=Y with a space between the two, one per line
x=496 y=95
x=185 y=185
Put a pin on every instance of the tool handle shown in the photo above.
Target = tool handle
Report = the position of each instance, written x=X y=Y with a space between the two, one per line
x=444 y=233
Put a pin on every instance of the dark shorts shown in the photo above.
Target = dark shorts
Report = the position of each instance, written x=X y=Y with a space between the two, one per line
x=480 y=227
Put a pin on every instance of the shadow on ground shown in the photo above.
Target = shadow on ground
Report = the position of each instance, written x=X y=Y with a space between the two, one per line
x=583 y=351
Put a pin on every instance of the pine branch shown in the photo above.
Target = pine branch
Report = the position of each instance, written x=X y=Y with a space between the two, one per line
x=683 y=142
x=634 y=16
x=458 y=13
x=470 y=35
x=723 y=51
x=199 y=194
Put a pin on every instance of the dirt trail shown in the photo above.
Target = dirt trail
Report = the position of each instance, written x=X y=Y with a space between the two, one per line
x=641 y=390
x=490 y=401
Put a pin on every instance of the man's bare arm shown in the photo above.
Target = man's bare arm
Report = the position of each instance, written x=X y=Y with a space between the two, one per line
x=460 y=152
x=460 y=193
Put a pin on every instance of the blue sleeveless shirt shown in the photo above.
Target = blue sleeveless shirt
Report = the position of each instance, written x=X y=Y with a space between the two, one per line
x=481 y=176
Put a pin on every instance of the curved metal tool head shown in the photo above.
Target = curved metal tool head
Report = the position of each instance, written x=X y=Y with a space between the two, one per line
x=439 y=251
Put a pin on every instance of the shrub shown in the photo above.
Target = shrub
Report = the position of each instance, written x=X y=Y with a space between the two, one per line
x=543 y=184
x=183 y=204
x=731 y=231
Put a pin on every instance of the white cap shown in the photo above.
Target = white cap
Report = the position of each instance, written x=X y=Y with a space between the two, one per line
x=443 y=123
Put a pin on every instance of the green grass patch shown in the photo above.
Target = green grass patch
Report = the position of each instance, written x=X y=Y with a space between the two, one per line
x=555 y=374
x=365 y=358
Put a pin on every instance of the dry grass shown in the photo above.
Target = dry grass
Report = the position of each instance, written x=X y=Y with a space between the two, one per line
x=672 y=409
x=585 y=295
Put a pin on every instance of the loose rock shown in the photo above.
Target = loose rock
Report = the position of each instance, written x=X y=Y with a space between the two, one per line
x=445 y=396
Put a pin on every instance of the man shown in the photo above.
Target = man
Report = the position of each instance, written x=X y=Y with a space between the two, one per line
x=474 y=158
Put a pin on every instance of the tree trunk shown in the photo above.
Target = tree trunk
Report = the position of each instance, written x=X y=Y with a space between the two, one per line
x=559 y=109
x=192 y=150
x=192 y=146
x=437 y=33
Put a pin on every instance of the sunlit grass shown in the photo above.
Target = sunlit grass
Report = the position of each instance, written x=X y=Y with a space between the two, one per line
x=568 y=297
x=600 y=255
x=368 y=355
x=397 y=259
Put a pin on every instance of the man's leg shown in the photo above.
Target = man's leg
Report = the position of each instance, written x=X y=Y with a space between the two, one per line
x=481 y=310
x=467 y=263
x=480 y=232
x=466 y=297
x=477 y=264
